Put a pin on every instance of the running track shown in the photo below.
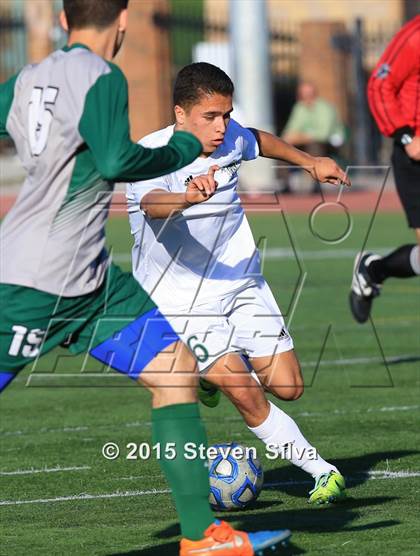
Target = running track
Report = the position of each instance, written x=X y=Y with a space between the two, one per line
x=354 y=201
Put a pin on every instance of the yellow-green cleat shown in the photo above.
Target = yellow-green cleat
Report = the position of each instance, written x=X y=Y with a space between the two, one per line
x=208 y=394
x=329 y=487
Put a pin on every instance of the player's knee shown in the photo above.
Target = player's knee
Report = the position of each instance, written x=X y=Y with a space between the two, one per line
x=169 y=396
x=166 y=381
x=175 y=389
x=299 y=389
x=288 y=393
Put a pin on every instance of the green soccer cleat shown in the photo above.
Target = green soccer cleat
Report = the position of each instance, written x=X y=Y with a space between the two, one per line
x=208 y=394
x=329 y=487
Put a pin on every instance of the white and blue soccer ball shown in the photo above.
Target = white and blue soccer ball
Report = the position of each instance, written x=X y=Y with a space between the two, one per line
x=236 y=476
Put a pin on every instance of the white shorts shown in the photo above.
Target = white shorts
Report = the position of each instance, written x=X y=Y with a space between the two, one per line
x=248 y=322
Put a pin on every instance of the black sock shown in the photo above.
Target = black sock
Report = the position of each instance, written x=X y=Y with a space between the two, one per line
x=397 y=264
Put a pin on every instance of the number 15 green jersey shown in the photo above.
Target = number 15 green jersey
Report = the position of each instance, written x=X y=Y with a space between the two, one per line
x=68 y=117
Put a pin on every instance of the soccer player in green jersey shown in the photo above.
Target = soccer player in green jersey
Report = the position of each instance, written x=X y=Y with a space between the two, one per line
x=68 y=118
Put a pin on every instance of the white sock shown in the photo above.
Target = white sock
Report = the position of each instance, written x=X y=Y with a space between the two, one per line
x=282 y=435
x=415 y=259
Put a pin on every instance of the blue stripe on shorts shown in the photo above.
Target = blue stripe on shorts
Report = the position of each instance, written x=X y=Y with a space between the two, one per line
x=134 y=346
x=5 y=379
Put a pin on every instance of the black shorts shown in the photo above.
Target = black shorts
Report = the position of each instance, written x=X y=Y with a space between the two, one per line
x=407 y=180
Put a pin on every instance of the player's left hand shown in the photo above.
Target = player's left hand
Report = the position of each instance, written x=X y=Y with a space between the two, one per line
x=326 y=170
x=413 y=149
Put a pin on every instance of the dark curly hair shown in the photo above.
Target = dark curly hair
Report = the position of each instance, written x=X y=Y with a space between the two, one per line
x=92 y=13
x=199 y=79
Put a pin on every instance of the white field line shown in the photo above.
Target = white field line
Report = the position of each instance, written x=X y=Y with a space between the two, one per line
x=134 y=493
x=371 y=475
x=277 y=253
x=341 y=412
x=362 y=360
x=368 y=410
x=139 y=424
x=45 y=430
x=117 y=494
x=44 y=470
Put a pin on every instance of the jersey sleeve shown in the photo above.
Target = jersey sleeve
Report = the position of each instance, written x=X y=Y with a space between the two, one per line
x=104 y=126
x=137 y=190
x=398 y=61
x=7 y=91
x=250 y=149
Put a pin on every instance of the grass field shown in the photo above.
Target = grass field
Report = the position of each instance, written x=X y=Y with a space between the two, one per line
x=60 y=496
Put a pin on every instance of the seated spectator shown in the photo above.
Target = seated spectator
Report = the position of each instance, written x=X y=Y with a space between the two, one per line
x=314 y=126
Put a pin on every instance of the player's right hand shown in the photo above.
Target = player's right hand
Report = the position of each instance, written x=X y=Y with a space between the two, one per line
x=202 y=187
x=326 y=170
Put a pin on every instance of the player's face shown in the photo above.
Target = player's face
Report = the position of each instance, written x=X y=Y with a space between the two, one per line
x=207 y=120
x=307 y=93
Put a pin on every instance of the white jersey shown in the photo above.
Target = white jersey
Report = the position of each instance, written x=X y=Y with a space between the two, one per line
x=208 y=250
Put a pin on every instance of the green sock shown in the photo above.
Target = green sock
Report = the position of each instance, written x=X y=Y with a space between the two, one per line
x=189 y=479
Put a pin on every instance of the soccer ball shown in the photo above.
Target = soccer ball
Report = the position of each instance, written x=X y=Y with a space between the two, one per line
x=236 y=476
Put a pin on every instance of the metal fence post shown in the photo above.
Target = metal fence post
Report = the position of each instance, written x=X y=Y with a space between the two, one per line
x=360 y=104
x=250 y=39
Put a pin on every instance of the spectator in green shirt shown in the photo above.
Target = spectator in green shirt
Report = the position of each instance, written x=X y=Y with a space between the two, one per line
x=314 y=125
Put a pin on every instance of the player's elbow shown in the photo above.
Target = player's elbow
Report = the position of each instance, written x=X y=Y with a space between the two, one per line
x=149 y=210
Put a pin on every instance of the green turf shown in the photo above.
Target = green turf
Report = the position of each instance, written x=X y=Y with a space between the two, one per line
x=359 y=413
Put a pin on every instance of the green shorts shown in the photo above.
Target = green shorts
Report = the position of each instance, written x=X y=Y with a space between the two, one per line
x=33 y=322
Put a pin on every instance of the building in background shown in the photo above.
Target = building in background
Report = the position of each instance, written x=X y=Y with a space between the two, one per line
x=310 y=39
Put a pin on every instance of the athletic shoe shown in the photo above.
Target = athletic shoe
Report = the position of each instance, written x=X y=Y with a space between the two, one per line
x=363 y=288
x=220 y=539
x=329 y=487
x=208 y=394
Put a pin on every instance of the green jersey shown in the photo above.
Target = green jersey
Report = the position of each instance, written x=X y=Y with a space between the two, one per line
x=68 y=117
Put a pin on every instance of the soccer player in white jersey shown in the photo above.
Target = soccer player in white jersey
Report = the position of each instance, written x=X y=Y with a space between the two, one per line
x=194 y=253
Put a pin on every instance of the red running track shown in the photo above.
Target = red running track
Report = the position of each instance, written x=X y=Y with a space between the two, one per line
x=354 y=201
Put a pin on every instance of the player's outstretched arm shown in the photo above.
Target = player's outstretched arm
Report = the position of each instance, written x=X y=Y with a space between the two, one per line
x=104 y=126
x=159 y=203
x=321 y=168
